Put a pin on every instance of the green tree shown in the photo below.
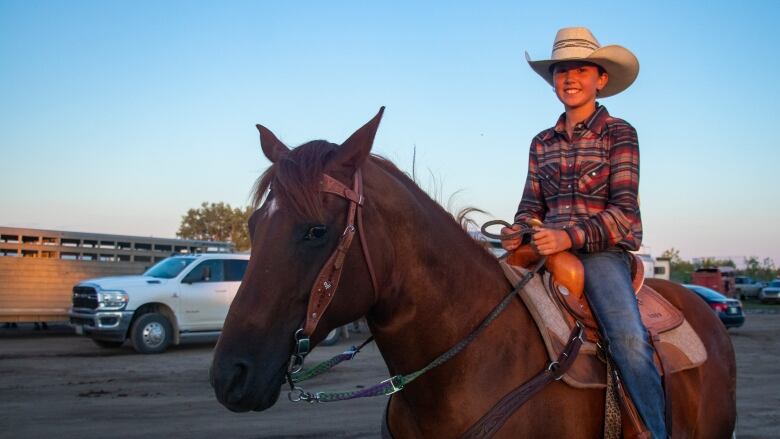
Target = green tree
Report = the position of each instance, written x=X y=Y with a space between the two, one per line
x=681 y=270
x=715 y=262
x=217 y=222
x=760 y=270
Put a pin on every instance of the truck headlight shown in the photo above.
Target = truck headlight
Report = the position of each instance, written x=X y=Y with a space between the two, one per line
x=112 y=299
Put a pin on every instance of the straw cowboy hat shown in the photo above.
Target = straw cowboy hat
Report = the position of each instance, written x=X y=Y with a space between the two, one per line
x=579 y=44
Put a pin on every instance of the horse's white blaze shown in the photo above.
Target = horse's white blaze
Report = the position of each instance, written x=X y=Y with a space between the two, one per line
x=270 y=207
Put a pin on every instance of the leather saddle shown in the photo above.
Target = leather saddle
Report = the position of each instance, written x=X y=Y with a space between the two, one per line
x=557 y=300
x=567 y=285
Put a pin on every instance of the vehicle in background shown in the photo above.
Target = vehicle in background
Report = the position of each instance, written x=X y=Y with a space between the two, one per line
x=657 y=268
x=728 y=310
x=747 y=287
x=720 y=279
x=770 y=293
x=180 y=297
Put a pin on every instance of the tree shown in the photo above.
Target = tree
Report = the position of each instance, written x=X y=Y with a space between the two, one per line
x=681 y=271
x=764 y=270
x=217 y=222
x=715 y=262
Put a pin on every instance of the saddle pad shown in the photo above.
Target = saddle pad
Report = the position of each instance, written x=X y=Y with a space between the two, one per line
x=682 y=348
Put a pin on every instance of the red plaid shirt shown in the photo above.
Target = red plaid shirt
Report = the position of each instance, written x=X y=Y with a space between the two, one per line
x=588 y=185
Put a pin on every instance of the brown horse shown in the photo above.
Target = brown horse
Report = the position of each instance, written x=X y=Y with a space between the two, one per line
x=434 y=285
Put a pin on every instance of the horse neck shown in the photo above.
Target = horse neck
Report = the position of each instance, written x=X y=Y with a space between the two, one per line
x=442 y=283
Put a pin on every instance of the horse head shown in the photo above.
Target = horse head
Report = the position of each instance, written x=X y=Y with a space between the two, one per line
x=293 y=234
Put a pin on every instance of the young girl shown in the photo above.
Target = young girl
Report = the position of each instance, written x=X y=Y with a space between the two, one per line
x=583 y=178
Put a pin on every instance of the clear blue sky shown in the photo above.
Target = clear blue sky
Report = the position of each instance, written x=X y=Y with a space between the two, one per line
x=117 y=117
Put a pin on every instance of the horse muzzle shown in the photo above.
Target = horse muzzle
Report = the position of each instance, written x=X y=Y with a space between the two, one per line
x=241 y=386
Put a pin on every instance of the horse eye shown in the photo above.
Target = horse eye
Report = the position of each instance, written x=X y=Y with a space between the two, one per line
x=315 y=232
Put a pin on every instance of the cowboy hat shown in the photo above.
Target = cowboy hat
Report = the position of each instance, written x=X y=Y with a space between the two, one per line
x=579 y=44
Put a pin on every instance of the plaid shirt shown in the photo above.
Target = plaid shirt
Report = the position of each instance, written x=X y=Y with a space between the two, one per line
x=587 y=186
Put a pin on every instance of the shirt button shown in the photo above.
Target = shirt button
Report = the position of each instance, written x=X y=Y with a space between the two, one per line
x=570 y=186
x=567 y=207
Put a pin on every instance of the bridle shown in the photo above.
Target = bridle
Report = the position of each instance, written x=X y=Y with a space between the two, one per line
x=324 y=288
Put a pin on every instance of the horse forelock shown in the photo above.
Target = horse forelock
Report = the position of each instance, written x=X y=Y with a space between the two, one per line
x=295 y=179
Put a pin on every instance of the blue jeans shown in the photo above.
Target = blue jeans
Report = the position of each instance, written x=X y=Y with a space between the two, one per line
x=612 y=300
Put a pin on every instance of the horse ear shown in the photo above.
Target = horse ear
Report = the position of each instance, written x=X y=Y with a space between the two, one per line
x=354 y=151
x=273 y=148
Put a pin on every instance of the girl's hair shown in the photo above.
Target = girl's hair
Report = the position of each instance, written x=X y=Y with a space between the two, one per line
x=601 y=69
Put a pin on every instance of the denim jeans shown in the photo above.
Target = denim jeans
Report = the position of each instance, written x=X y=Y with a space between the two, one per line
x=612 y=300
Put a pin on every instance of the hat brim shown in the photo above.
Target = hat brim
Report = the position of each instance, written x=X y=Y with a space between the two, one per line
x=620 y=64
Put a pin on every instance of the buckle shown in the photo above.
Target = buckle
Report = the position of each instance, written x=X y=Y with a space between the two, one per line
x=302 y=343
x=396 y=382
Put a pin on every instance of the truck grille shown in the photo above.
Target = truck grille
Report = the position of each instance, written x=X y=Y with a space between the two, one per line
x=85 y=297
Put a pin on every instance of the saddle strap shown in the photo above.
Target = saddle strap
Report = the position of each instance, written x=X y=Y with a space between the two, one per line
x=494 y=419
x=655 y=341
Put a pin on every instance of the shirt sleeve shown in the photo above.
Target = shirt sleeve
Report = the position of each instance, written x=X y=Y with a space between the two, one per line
x=532 y=205
x=620 y=224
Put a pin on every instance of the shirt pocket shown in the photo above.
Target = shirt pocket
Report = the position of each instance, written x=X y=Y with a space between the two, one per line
x=550 y=178
x=593 y=178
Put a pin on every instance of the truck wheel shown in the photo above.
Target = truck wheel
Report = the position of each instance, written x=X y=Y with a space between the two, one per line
x=151 y=333
x=108 y=344
x=332 y=337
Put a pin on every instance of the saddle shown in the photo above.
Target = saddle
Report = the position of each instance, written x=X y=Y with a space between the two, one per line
x=556 y=300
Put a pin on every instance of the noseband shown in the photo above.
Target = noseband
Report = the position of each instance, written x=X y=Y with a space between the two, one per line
x=327 y=281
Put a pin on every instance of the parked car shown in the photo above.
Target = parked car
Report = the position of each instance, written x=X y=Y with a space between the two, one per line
x=179 y=297
x=771 y=293
x=729 y=310
x=747 y=287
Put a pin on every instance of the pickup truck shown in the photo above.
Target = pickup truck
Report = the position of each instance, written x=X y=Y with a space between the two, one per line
x=179 y=297
x=748 y=287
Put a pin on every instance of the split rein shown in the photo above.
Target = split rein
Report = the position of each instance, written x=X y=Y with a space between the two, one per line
x=324 y=289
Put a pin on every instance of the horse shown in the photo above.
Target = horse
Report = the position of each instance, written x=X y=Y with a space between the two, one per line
x=423 y=284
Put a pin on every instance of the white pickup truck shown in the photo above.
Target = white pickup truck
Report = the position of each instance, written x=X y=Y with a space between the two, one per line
x=179 y=297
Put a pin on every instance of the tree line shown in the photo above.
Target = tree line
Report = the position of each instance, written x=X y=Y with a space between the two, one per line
x=681 y=270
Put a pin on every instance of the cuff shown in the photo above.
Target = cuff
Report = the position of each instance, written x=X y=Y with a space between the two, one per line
x=577 y=236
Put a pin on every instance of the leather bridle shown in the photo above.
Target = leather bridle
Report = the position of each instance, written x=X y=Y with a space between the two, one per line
x=327 y=281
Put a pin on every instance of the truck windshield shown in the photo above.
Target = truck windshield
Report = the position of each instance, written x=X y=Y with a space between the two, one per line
x=168 y=268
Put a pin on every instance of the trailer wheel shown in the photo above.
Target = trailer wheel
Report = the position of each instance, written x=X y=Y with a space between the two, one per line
x=106 y=344
x=151 y=333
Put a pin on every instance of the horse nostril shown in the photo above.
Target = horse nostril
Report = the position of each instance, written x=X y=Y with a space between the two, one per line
x=236 y=386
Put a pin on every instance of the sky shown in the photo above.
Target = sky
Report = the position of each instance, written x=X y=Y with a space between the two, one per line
x=118 y=117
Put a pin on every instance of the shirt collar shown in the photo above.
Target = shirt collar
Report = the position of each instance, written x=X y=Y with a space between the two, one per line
x=594 y=123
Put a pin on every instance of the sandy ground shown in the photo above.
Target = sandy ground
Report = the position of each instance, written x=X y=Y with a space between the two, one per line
x=56 y=384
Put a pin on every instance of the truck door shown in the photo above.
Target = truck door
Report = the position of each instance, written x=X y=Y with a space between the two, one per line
x=234 y=273
x=202 y=298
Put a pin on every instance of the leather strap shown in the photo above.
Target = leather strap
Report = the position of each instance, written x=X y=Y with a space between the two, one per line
x=493 y=420
x=655 y=340
x=327 y=280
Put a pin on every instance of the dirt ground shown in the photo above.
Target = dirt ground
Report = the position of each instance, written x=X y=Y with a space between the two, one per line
x=56 y=384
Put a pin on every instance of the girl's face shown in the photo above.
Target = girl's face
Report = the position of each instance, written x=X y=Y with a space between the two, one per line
x=577 y=83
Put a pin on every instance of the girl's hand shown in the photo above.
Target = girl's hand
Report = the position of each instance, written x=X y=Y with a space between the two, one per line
x=511 y=244
x=551 y=241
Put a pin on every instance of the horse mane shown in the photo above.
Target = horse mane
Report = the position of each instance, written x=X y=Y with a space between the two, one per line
x=295 y=179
